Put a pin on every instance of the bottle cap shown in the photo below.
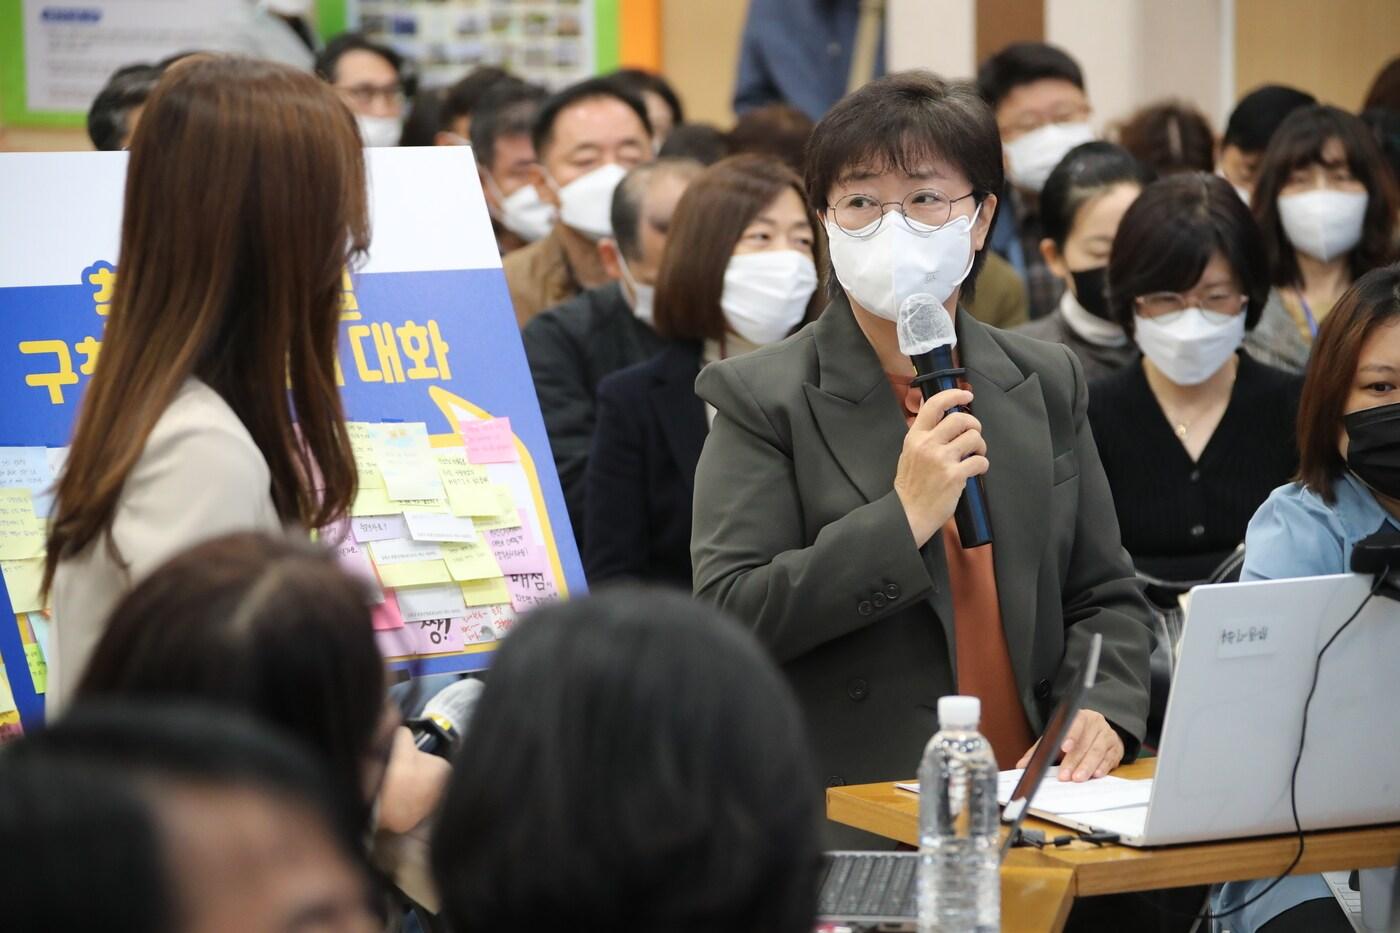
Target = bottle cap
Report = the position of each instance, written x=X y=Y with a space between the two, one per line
x=959 y=712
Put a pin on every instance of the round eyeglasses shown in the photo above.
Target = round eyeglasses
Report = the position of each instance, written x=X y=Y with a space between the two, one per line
x=925 y=210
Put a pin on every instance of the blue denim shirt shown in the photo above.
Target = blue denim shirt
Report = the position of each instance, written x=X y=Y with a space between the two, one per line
x=798 y=52
x=1296 y=534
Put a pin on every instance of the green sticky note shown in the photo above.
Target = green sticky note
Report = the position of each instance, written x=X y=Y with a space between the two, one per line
x=38 y=667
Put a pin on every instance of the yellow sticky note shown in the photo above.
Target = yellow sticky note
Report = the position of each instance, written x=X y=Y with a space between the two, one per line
x=38 y=667
x=7 y=699
x=416 y=573
x=23 y=578
x=377 y=502
x=366 y=460
x=21 y=531
x=469 y=487
x=473 y=561
x=486 y=592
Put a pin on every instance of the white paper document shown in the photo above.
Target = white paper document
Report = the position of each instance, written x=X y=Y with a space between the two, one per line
x=1066 y=797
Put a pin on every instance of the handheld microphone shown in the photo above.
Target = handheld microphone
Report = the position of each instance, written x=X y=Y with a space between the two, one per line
x=927 y=337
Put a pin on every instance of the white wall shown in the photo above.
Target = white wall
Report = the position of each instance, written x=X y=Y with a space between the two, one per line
x=939 y=35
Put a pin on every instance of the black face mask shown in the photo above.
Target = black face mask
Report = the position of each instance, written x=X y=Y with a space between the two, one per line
x=1089 y=288
x=1373 y=450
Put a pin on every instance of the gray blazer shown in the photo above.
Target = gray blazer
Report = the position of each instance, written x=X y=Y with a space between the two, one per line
x=799 y=533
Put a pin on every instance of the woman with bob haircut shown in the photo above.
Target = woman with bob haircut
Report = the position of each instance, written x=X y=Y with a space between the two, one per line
x=1194 y=434
x=215 y=407
x=637 y=764
x=1326 y=203
x=739 y=272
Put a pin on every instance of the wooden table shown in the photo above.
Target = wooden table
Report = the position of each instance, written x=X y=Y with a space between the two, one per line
x=1039 y=886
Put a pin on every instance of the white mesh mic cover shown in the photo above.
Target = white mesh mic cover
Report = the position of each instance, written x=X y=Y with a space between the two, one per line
x=923 y=324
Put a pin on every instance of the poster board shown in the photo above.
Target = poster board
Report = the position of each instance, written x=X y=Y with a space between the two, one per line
x=431 y=359
x=54 y=58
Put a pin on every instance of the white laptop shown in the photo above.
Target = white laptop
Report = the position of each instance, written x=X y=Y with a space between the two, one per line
x=1236 y=708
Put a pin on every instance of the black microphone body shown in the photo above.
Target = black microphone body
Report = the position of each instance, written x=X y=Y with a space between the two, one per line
x=937 y=373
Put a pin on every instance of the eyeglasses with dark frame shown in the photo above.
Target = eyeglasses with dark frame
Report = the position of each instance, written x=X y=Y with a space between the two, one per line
x=924 y=210
x=1219 y=303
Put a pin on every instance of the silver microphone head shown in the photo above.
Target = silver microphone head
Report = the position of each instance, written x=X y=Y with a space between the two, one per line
x=923 y=324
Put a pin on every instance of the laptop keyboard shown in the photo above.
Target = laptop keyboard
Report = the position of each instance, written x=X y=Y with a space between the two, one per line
x=869 y=885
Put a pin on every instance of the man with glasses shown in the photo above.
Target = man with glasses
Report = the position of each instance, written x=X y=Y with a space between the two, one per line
x=1042 y=112
x=370 y=78
x=825 y=495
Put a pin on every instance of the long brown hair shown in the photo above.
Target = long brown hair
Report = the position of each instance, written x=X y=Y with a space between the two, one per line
x=710 y=218
x=1373 y=301
x=245 y=199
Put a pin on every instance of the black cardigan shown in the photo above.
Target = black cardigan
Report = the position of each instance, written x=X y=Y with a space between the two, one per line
x=1180 y=518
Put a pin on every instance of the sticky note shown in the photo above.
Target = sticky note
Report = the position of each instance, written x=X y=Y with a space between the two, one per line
x=370 y=502
x=40 y=627
x=28 y=468
x=38 y=667
x=386 y=616
x=7 y=699
x=403 y=551
x=21 y=531
x=469 y=487
x=378 y=528
x=528 y=590
x=355 y=560
x=485 y=592
x=435 y=526
x=366 y=459
x=515 y=550
x=438 y=636
x=483 y=624
x=506 y=514
x=418 y=573
x=405 y=458
x=396 y=642
x=417 y=603
x=489 y=441
x=470 y=561
x=23 y=578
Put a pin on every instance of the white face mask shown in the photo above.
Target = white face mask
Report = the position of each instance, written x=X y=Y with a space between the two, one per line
x=643 y=296
x=1031 y=158
x=881 y=271
x=1191 y=346
x=522 y=212
x=1323 y=223
x=766 y=294
x=379 y=131
x=586 y=202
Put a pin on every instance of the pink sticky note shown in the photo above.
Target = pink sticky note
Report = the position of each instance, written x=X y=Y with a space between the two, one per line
x=438 y=636
x=489 y=441
x=386 y=616
x=354 y=559
x=396 y=643
x=515 y=551
x=528 y=590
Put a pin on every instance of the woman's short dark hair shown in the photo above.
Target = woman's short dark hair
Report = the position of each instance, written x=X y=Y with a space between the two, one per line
x=1298 y=143
x=1168 y=236
x=1086 y=171
x=901 y=122
x=640 y=754
x=1372 y=301
x=709 y=220
x=267 y=626
x=1170 y=137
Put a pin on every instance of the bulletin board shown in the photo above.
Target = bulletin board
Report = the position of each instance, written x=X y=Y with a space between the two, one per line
x=460 y=524
x=55 y=58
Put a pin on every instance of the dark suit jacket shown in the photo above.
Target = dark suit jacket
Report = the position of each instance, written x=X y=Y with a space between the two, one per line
x=799 y=533
x=570 y=349
x=641 y=474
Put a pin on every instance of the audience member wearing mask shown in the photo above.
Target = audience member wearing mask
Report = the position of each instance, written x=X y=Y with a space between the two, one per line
x=1169 y=138
x=586 y=138
x=459 y=103
x=651 y=742
x=739 y=273
x=244 y=834
x=826 y=490
x=420 y=127
x=599 y=331
x=1348 y=488
x=1252 y=124
x=215 y=408
x=505 y=159
x=799 y=52
x=117 y=107
x=1326 y=203
x=1080 y=208
x=1196 y=433
x=369 y=77
x=664 y=109
x=274 y=629
x=1037 y=94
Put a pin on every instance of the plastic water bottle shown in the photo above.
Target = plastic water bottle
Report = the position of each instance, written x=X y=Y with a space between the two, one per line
x=959 y=820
